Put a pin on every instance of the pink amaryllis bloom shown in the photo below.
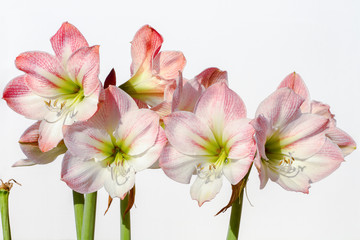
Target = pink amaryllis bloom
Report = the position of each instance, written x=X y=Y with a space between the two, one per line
x=338 y=136
x=108 y=149
x=293 y=148
x=153 y=73
x=57 y=90
x=215 y=140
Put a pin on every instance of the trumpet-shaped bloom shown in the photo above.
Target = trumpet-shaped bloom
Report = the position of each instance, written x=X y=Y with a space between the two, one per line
x=58 y=90
x=337 y=136
x=293 y=148
x=153 y=72
x=215 y=140
x=109 y=148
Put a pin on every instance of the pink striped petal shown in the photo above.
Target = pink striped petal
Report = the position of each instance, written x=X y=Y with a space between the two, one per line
x=235 y=170
x=323 y=163
x=21 y=99
x=203 y=190
x=218 y=106
x=345 y=142
x=211 y=76
x=150 y=156
x=50 y=135
x=83 y=176
x=88 y=106
x=119 y=186
x=188 y=134
x=167 y=64
x=280 y=107
x=300 y=183
x=295 y=82
x=83 y=67
x=31 y=134
x=144 y=47
x=239 y=139
x=163 y=109
x=186 y=96
x=138 y=131
x=263 y=130
x=66 y=41
x=178 y=166
x=323 y=110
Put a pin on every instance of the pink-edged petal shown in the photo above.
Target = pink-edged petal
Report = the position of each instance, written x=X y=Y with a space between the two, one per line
x=169 y=90
x=304 y=126
x=21 y=99
x=323 y=110
x=46 y=76
x=188 y=134
x=151 y=155
x=83 y=176
x=89 y=139
x=83 y=68
x=262 y=170
x=300 y=183
x=178 y=166
x=50 y=135
x=118 y=185
x=218 y=106
x=138 y=131
x=211 y=76
x=144 y=47
x=239 y=139
x=280 y=107
x=36 y=156
x=235 y=170
x=203 y=190
x=66 y=41
x=163 y=109
x=167 y=64
x=88 y=106
x=31 y=134
x=263 y=129
x=322 y=164
x=23 y=163
x=345 y=142
x=295 y=82
x=186 y=96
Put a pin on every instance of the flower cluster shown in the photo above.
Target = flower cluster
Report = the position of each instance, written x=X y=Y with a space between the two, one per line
x=157 y=118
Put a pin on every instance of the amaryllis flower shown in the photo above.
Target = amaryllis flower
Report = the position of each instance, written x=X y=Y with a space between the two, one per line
x=293 y=148
x=215 y=140
x=57 y=90
x=108 y=149
x=153 y=73
x=29 y=144
x=338 y=136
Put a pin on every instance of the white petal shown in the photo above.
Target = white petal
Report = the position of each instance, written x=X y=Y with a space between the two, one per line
x=203 y=190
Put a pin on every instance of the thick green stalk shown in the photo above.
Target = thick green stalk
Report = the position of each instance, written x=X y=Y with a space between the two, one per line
x=4 y=208
x=78 y=200
x=88 y=226
x=234 y=225
x=125 y=220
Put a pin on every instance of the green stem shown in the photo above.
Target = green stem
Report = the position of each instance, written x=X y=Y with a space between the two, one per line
x=125 y=230
x=4 y=206
x=234 y=225
x=88 y=226
x=78 y=200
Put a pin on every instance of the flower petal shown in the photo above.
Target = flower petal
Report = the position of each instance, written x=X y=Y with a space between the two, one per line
x=163 y=109
x=50 y=134
x=211 y=76
x=323 y=110
x=218 y=106
x=118 y=186
x=189 y=135
x=138 y=131
x=23 y=163
x=342 y=139
x=88 y=106
x=280 y=107
x=186 y=95
x=167 y=64
x=203 y=190
x=295 y=82
x=235 y=170
x=83 y=68
x=21 y=99
x=151 y=155
x=66 y=41
x=144 y=47
x=239 y=139
x=83 y=176
x=178 y=166
x=263 y=129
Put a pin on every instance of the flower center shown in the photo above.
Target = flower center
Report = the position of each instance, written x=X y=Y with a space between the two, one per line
x=63 y=107
x=213 y=169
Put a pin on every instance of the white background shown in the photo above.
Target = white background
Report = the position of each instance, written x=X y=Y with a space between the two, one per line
x=258 y=43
